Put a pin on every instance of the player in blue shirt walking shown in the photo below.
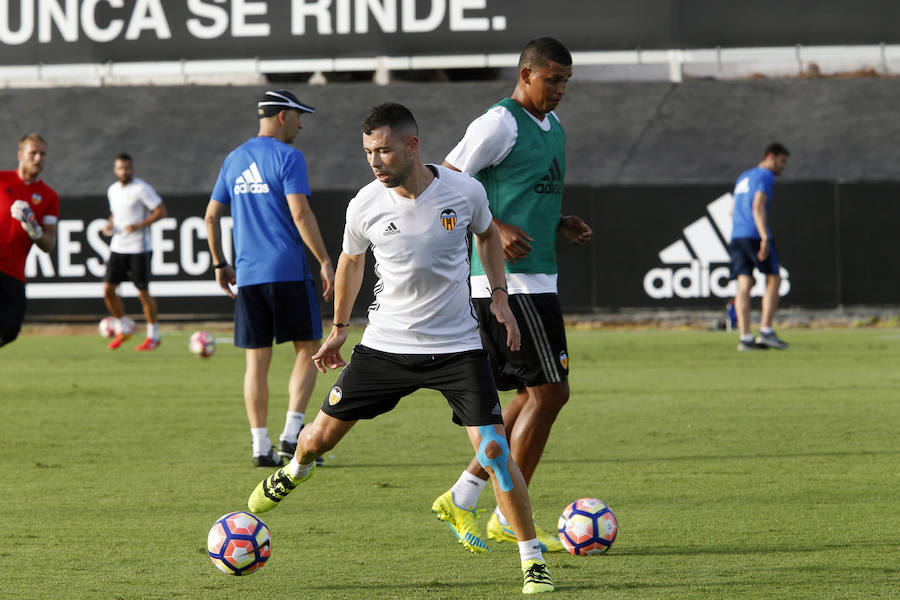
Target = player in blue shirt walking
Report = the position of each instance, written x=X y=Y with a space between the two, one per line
x=264 y=181
x=752 y=246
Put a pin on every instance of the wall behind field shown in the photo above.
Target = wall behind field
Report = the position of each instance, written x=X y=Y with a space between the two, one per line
x=645 y=161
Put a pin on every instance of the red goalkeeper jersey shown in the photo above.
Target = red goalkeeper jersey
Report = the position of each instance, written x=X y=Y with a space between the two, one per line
x=14 y=242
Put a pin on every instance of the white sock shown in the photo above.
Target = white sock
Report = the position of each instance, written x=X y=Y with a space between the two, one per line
x=153 y=331
x=530 y=549
x=293 y=421
x=261 y=442
x=500 y=517
x=466 y=490
x=766 y=330
x=747 y=338
x=296 y=470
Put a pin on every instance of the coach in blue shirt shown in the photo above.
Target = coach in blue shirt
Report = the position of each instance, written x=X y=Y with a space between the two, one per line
x=752 y=247
x=264 y=181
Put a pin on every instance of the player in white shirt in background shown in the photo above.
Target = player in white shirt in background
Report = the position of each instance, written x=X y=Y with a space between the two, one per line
x=133 y=207
x=422 y=330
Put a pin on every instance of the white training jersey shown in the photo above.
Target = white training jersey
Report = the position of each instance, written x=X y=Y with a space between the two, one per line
x=488 y=140
x=129 y=204
x=422 y=303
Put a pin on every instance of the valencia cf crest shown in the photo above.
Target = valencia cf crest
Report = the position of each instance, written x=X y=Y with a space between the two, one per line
x=564 y=360
x=36 y=199
x=448 y=219
x=335 y=396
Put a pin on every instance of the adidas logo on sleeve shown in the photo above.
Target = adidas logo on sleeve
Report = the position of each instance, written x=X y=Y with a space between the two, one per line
x=250 y=182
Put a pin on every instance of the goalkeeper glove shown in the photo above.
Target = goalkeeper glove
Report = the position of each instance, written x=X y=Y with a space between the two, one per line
x=21 y=211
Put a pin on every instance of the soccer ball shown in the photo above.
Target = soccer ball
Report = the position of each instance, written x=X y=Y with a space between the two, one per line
x=107 y=327
x=124 y=326
x=587 y=526
x=202 y=344
x=239 y=543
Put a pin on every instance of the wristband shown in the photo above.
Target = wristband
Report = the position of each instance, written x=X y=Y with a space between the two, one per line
x=221 y=265
x=341 y=324
x=499 y=287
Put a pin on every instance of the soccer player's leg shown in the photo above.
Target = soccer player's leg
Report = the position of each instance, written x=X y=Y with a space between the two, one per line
x=512 y=498
x=317 y=438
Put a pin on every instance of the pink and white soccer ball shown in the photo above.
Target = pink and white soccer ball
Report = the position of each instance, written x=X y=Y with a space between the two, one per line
x=125 y=326
x=202 y=344
x=107 y=327
x=239 y=543
x=587 y=526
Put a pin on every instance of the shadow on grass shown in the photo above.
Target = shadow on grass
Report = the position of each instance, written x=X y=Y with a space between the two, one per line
x=752 y=550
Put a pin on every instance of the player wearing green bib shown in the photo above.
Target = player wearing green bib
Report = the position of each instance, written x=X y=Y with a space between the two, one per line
x=517 y=151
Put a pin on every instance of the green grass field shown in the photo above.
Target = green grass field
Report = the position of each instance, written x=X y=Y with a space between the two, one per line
x=766 y=475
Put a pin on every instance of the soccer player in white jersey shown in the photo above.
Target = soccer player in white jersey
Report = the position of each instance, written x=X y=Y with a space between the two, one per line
x=422 y=332
x=133 y=206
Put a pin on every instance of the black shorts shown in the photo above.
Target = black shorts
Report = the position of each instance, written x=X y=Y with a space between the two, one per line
x=373 y=382
x=131 y=267
x=744 y=258
x=284 y=310
x=12 y=307
x=543 y=357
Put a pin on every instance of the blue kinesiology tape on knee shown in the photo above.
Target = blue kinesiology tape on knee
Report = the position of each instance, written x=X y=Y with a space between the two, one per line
x=499 y=464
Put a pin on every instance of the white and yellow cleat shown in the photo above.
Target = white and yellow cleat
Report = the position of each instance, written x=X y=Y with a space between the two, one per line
x=461 y=522
x=503 y=533
x=537 y=577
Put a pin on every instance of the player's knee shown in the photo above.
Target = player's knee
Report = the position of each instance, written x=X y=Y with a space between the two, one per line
x=493 y=455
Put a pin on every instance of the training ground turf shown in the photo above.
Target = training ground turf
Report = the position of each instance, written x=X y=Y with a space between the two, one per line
x=733 y=475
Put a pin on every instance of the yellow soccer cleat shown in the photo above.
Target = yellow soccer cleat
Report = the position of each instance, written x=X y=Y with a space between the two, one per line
x=503 y=533
x=537 y=577
x=461 y=522
x=273 y=489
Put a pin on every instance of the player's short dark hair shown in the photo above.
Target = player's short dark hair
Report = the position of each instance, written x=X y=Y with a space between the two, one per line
x=395 y=116
x=776 y=149
x=539 y=51
x=124 y=156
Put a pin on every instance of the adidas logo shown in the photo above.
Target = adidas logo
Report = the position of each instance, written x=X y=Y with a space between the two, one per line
x=250 y=182
x=551 y=183
x=704 y=246
x=391 y=230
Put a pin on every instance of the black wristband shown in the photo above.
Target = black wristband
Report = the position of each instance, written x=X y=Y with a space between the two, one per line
x=341 y=324
x=221 y=265
x=499 y=287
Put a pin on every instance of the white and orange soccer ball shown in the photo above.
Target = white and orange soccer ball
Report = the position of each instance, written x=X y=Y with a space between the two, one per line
x=107 y=327
x=587 y=526
x=239 y=543
x=202 y=344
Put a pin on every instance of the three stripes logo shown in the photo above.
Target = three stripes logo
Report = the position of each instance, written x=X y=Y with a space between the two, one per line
x=448 y=219
x=705 y=260
x=552 y=182
x=250 y=182
x=391 y=230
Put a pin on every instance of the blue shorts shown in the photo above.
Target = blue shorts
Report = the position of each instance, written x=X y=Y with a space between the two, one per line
x=744 y=258
x=284 y=310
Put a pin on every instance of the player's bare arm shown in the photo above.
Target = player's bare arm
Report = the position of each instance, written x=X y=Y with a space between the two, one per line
x=488 y=245
x=759 y=217
x=225 y=276
x=347 y=281
x=575 y=230
x=160 y=212
x=308 y=227
x=48 y=238
x=514 y=240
